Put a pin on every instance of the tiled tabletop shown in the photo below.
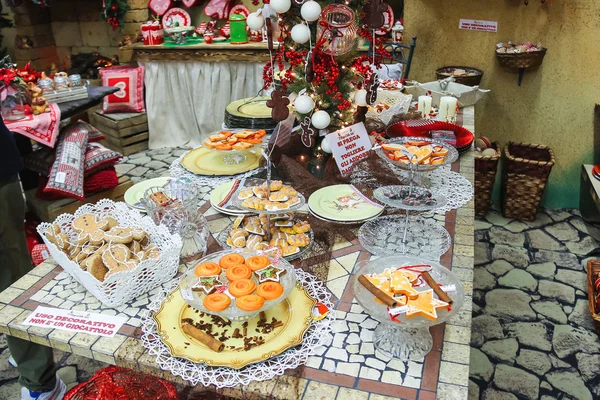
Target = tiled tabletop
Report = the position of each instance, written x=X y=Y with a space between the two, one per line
x=346 y=368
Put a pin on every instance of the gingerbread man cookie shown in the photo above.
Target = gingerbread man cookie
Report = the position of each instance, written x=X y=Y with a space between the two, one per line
x=374 y=13
x=58 y=237
x=308 y=132
x=119 y=235
x=279 y=104
x=87 y=226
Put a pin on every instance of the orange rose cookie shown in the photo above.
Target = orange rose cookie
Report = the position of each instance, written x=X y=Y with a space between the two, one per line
x=216 y=302
x=236 y=272
x=207 y=269
x=230 y=260
x=269 y=290
x=250 y=302
x=258 y=262
x=242 y=287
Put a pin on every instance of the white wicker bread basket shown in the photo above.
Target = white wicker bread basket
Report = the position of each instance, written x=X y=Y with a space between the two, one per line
x=123 y=286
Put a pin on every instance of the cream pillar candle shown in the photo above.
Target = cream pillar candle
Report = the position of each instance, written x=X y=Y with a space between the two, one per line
x=448 y=107
x=425 y=105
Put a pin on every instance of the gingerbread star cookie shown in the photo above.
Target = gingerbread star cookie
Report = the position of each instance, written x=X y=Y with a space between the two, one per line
x=400 y=284
x=425 y=305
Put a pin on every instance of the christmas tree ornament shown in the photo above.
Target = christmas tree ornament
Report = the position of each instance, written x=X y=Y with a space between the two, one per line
x=300 y=33
x=310 y=11
x=321 y=119
x=304 y=104
x=190 y=3
x=372 y=87
x=308 y=132
x=218 y=9
x=279 y=105
x=255 y=21
x=325 y=144
x=374 y=13
x=309 y=72
x=281 y=6
x=337 y=30
x=360 y=97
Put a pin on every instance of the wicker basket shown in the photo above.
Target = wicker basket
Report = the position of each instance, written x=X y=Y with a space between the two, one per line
x=525 y=176
x=473 y=80
x=521 y=60
x=593 y=269
x=485 y=177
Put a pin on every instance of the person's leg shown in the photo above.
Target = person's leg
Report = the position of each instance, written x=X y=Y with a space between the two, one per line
x=35 y=362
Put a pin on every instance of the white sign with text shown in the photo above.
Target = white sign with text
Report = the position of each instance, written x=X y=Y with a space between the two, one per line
x=478 y=25
x=349 y=146
x=75 y=321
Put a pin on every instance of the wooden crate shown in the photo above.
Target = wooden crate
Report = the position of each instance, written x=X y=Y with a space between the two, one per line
x=48 y=210
x=125 y=133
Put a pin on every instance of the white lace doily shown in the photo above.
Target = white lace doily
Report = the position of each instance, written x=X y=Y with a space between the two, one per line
x=456 y=188
x=318 y=333
x=178 y=172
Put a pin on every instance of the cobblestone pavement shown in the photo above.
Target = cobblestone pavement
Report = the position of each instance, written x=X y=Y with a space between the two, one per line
x=532 y=336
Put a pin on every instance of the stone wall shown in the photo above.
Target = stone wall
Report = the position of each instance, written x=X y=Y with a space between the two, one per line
x=70 y=27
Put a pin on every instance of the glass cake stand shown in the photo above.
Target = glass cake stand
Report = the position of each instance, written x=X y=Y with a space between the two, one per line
x=408 y=339
x=402 y=233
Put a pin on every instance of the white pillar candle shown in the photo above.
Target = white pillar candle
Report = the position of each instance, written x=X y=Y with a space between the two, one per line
x=448 y=106
x=425 y=105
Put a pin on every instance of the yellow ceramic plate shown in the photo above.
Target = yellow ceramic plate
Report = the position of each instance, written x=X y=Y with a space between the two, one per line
x=295 y=313
x=250 y=108
x=203 y=161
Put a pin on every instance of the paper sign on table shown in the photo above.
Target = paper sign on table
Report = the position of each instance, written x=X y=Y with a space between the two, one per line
x=75 y=321
x=478 y=25
x=349 y=146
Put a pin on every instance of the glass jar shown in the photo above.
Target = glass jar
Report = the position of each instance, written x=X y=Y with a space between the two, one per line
x=12 y=102
x=337 y=29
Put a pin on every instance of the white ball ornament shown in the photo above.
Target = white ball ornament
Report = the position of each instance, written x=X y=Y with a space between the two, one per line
x=360 y=98
x=281 y=6
x=304 y=104
x=310 y=11
x=325 y=144
x=321 y=119
x=300 y=33
x=255 y=21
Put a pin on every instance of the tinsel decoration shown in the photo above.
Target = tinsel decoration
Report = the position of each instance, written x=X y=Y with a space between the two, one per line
x=114 y=12
x=115 y=383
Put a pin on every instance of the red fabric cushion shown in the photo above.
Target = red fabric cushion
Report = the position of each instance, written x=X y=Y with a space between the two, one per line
x=66 y=175
x=94 y=135
x=103 y=180
x=130 y=99
x=98 y=158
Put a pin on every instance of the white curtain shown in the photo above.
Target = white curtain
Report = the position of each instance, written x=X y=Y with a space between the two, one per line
x=186 y=100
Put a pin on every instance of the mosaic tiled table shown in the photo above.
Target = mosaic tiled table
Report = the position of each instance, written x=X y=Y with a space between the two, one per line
x=346 y=368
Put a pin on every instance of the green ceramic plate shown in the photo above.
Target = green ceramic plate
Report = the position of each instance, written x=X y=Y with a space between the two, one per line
x=218 y=194
x=342 y=203
x=134 y=194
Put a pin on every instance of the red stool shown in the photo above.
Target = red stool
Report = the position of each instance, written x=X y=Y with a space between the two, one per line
x=114 y=383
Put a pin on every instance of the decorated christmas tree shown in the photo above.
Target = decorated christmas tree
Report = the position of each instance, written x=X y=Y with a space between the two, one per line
x=316 y=60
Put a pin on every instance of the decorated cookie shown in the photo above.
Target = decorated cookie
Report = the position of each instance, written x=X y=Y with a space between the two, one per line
x=300 y=240
x=216 y=302
x=242 y=287
x=119 y=235
x=425 y=305
x=231 y=259
x=58 y=237
x=207 y=269
x=400 y=284
x=269 y=273
x=207 y=284
x=88 y=224
x=112 y=222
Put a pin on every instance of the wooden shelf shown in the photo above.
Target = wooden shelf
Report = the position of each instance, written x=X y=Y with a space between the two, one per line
x=216 y=52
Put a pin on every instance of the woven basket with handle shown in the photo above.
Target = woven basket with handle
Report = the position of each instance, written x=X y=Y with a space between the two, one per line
x=485 y=177
x=521 y=60
x=525 y=177
x=593 y=269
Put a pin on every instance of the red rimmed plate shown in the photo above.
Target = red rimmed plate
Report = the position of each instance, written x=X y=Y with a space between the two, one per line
x=422 y=128
x=176 y=18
